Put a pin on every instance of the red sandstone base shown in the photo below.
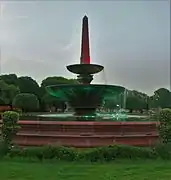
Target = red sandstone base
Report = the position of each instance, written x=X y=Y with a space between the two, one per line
x=86 y=134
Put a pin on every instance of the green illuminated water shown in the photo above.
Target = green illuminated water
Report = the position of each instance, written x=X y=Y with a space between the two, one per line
x=99 y=116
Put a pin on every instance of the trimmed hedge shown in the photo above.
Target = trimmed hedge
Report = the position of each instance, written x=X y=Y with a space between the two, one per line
x=26 y=101
x=164 y=127
x=101 y=154
x=9 y=127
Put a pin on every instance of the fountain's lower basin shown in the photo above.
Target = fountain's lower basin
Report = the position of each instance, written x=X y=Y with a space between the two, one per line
x=84 y=98
x=85 y=134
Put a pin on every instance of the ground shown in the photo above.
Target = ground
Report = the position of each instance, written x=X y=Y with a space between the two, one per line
x=121 y=170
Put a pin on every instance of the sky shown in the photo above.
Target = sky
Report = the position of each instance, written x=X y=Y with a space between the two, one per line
x=131 y=39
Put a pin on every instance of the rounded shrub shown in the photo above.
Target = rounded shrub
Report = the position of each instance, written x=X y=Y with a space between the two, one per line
x=26 y=101
x=164 y=118
x=9 y=126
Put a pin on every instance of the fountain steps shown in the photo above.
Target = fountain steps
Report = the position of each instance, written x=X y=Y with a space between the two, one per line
x=85 y=141
x=86 y=134
x=90 y=129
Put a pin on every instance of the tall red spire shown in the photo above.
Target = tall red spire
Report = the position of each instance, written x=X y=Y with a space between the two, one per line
x=85 y=50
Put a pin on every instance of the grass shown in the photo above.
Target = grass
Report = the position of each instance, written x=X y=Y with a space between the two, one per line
x=120 y=170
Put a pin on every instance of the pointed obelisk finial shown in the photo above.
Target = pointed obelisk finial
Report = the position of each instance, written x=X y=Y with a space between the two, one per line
x=85 y=49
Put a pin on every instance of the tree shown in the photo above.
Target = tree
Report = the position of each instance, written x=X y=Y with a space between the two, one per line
x=2 y=102
x=161 y=98
x=11 y=85
x=10 y=79
x=135 y=103
x=73 y=81
x=26 y=101
x=29 y=85
x=57 y=80
x=8 y=92
x=51 y=101
x=13 y=91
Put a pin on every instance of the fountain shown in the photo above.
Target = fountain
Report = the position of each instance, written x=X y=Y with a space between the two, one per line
x=84 y=98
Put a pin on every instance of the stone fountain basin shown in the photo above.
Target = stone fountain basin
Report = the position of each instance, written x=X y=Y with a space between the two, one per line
x=84 y=95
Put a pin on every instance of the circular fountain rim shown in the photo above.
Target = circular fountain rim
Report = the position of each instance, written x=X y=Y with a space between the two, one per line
x=85 y=68
x=85 y=85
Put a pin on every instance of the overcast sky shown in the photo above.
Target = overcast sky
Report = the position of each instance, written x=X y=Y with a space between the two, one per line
x=130 y=38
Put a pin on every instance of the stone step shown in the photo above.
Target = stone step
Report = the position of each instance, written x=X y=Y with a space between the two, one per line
x=85 y=135
x=85 y=142
x=52 y=133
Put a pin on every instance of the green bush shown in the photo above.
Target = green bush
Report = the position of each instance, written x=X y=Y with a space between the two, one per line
x=3 y=149
x=164 y=118
x=117 y=152
x=46 y=152
x=102 y=154
x=163 y=150
x=9 y=126
x=26 y=101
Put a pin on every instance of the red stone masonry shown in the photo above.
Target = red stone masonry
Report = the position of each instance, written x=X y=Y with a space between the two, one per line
x=86 y=134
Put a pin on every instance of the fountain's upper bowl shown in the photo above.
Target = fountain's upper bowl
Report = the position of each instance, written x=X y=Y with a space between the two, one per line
x=85 y=68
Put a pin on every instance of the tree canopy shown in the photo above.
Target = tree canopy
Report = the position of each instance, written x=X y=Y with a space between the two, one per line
x=12 y=87
x=26 y=101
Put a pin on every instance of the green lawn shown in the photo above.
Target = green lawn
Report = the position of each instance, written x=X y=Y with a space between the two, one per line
x=121 y=170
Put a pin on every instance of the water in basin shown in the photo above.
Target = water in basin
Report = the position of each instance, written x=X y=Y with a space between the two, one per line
x=99 y=116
